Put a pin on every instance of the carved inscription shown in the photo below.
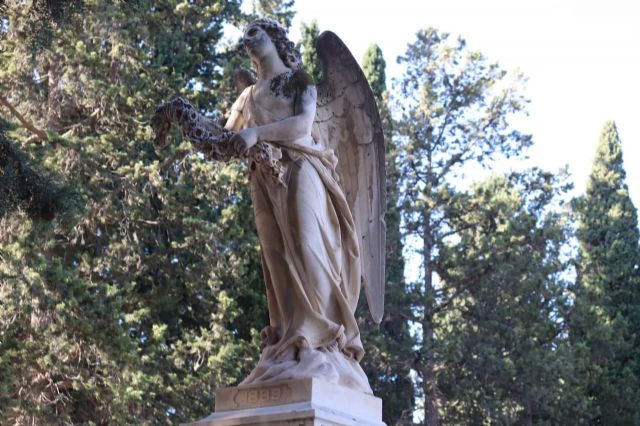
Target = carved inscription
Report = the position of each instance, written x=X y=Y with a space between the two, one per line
x=262 y=397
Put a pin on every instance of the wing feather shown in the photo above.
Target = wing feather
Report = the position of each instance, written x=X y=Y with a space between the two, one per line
x=347 y=120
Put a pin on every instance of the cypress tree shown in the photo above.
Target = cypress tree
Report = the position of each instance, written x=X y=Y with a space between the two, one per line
x=309 y=33
x=606 y=322
x=389 y=346
x=374 y=66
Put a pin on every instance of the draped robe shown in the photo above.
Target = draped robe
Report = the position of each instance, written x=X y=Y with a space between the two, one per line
x=310 y=260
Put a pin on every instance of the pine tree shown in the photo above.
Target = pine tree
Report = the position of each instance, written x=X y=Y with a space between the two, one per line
x=606 y=319
x=455 y=110
x=144 y=293
x=499 y=339
x=389 y=346
x=309 y=34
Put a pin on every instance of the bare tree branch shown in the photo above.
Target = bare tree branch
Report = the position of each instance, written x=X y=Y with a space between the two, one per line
x=41 y=135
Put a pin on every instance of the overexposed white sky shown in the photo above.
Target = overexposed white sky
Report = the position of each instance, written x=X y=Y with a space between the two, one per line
x=582 y=59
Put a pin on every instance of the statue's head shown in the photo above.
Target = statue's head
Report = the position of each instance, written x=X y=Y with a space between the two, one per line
x=286 y=49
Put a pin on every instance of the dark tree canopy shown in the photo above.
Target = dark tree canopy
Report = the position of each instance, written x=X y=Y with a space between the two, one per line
x=144 y=293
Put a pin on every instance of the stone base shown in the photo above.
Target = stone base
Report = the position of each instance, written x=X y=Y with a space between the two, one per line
x=301 y=402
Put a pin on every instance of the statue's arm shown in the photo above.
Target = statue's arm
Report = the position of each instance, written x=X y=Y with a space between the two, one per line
x=214 y=141
x=235 y=122
x=208 y=137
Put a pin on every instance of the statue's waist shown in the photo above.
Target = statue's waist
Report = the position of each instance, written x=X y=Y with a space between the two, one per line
x=293 y=150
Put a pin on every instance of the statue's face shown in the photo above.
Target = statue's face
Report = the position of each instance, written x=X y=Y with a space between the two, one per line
x=257 y=42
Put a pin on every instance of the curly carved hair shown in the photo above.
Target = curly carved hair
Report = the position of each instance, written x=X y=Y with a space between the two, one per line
x=286 y=49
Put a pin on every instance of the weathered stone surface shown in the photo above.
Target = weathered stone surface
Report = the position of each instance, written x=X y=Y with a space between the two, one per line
x=317 y=158
x=296 y=402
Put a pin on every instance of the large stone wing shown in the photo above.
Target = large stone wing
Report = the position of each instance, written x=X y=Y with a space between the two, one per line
x=347 y=120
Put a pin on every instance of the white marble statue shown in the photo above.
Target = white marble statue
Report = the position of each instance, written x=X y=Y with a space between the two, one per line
x=316 y=164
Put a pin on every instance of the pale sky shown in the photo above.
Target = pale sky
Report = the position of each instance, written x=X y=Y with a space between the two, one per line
x=582 y=59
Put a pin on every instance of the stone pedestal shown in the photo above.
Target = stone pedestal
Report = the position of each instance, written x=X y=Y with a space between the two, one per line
x=301 y=402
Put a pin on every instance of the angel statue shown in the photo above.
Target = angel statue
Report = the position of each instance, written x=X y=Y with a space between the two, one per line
x=316 y=170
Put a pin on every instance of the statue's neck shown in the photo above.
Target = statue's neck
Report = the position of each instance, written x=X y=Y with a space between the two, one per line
x=269 y=67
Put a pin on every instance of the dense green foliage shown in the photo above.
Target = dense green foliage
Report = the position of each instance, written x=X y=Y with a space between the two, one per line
x=24 y=188
x=130 y=277
x=606 y=322
x=144 y=294
x=280 y=10
x=499 y=336
x=454 y=112
x=389 y=346
x=309 y=33
x=374 y=67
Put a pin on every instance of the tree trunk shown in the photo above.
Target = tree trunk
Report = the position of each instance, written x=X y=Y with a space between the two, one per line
x=38 y=133
x=54 y=97
x=429 y=385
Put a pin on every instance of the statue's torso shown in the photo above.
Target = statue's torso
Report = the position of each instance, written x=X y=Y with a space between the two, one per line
x=263 y=106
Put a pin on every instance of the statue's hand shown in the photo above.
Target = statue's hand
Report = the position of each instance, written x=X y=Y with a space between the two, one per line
x=244 y=140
